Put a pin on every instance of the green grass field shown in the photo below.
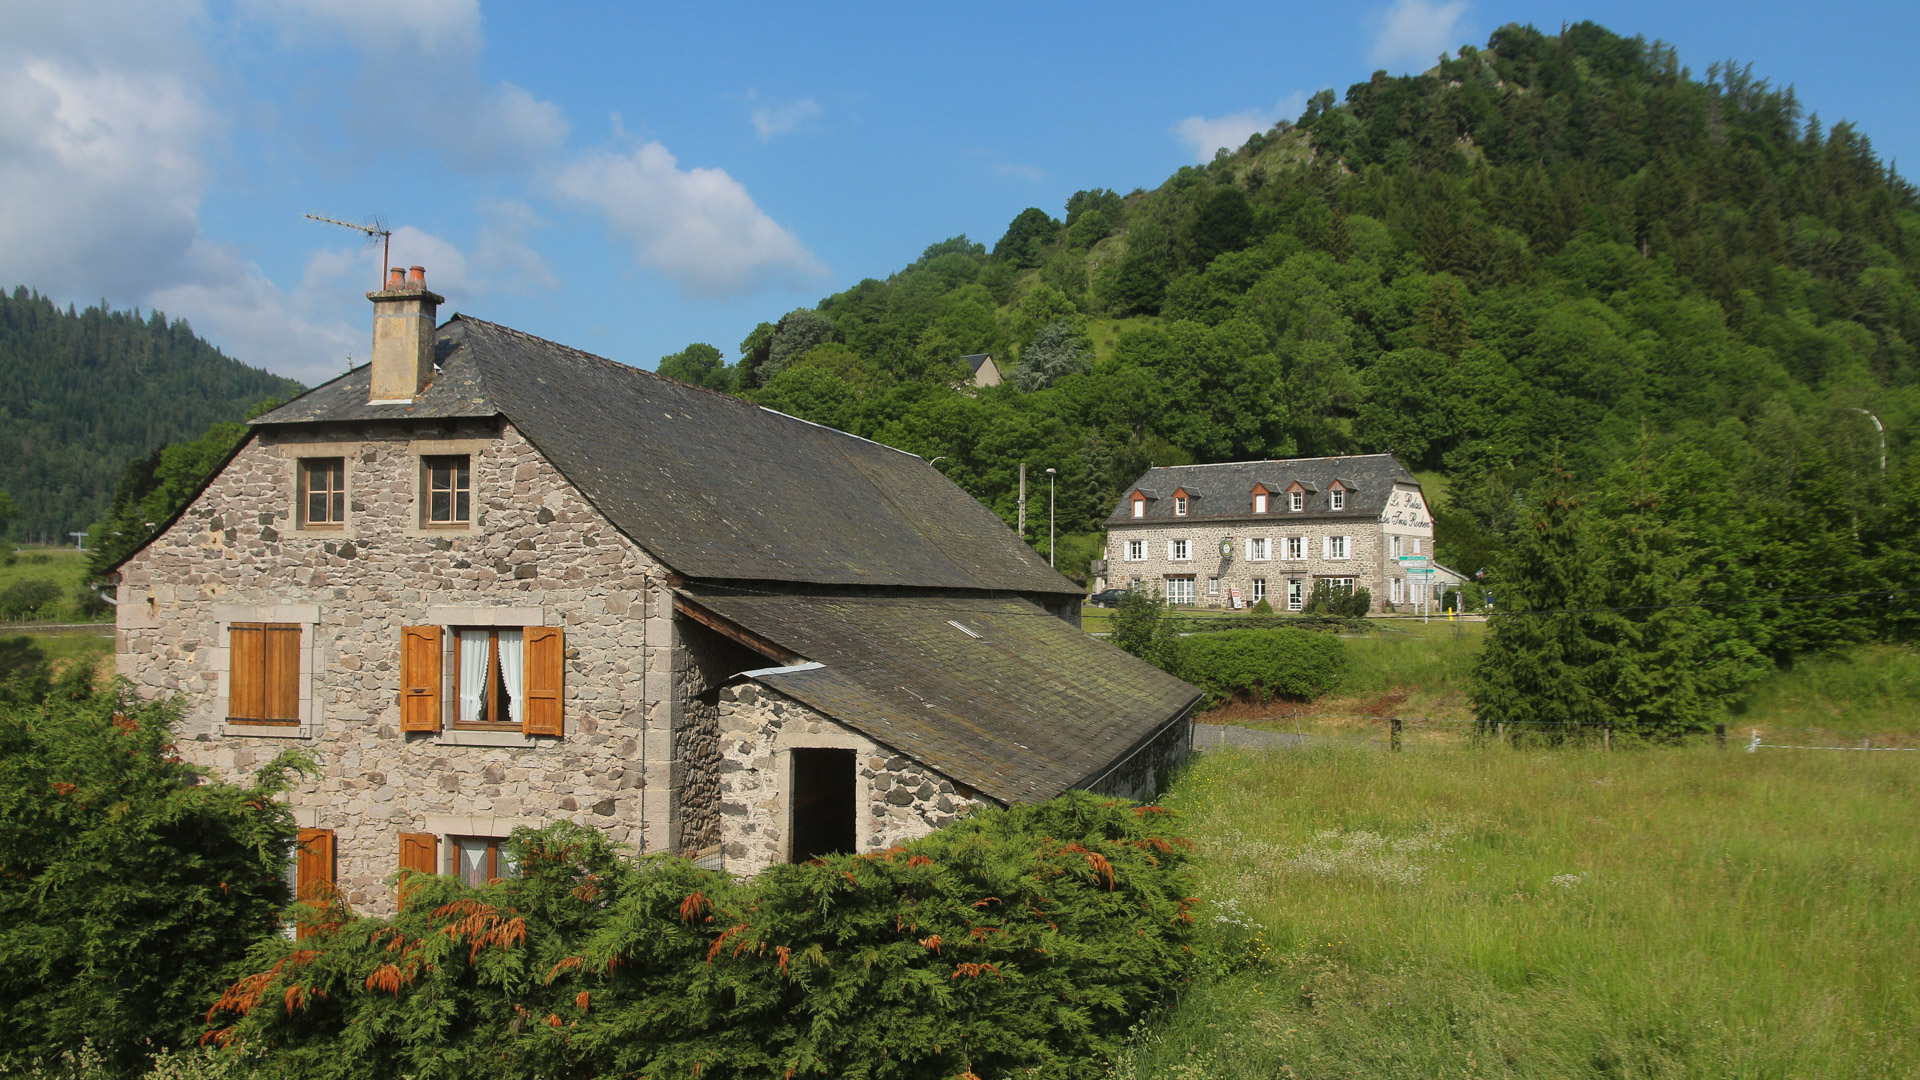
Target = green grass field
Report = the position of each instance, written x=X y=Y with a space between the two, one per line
x=1485 y=912
x=65 y=567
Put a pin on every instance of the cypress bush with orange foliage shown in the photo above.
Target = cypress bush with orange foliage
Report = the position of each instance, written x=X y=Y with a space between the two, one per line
x=1020 y=942
x=128 y=882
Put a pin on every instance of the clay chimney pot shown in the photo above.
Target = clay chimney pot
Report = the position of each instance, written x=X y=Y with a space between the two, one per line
x=404 y=321
x=416 y=275
x=396 y=278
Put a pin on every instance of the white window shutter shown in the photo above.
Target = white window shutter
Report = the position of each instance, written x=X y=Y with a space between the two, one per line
x=1326 y=547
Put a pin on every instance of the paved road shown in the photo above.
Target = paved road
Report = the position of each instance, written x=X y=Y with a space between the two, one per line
x=1208 y=736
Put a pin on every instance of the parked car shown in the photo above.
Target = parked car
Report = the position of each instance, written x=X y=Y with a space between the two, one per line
x=1107 y=598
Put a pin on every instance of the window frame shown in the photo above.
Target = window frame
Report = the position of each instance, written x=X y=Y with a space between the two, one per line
x=1180 y=550
x=429 y=464
x=1213 y=586
x=495 y=857
x=1259 y=589
x=1295 y=548
x=1179 y=506
x=304 y=469
x=267 y=649
x=1135 y=551
x=1338 y=549
x=1260 y=502
x=1296 y=594
x=1296 y=501
x=1259 y=549
x=1337 y=499
x=1139 y=508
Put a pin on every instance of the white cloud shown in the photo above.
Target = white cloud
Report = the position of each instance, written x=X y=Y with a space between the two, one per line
x=432 y=26
x=1208 y=134
x=230 y=302
x=1021 y=172
x=1413 y=33
x=783 y=119
x=503 y=251
x=698 y=227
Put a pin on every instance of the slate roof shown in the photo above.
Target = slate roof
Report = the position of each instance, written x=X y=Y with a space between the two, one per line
x=974 y=360
x=1029 y=708
x=715 y=487
x=1224 y=492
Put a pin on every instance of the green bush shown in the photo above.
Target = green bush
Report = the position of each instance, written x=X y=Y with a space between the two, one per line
x=1285 y=662
x=1326 y=600
x=1015 y=943
x=27 y=597
x=126 y=886
x=1261 y=608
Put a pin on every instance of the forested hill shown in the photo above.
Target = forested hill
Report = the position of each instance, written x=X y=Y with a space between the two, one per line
x=83 y=393
x=1556 y=246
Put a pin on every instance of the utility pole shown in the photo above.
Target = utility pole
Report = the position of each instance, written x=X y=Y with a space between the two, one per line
x=1050 y=473
x=1023 y=502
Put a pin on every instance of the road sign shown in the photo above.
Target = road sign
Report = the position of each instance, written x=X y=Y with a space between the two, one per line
x=1418 y=569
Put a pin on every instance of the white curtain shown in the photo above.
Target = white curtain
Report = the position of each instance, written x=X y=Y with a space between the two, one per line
x=513 y=670
x=473 y=673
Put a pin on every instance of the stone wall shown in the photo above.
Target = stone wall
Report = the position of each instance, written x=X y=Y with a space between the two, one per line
x=536 y=554
x=1143 y=776
x=896 y=798
x=1368 y=560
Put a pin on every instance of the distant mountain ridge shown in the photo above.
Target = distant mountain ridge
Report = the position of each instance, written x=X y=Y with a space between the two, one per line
x=82 y=393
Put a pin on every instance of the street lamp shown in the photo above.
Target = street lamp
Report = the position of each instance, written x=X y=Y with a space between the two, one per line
x=1050 y=474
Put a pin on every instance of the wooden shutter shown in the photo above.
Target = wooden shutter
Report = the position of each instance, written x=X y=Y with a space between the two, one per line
x=545 y=674
x=313 y=872
x=419 y=854
x=246 y=647
x=420 y=654
x=281 y=672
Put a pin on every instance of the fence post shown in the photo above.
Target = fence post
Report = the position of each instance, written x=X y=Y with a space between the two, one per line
x=1500 y=731
x=1394 y=730
x=1609 y=737
x=1720 y=735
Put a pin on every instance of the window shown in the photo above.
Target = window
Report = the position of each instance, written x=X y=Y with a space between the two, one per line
x=263 y=673
x=1395 y=545
x=1260 y=502
x=503 y=679
x=449 y=489
x=323 y=492
x=1258 y=549
x=1139 y=508
x=1296 y=547
x=1179 y=550
x=1336 y=548
x=310 y=874
x=1341 y=585
x=1296 y=594
x=1180 y=591
x=1339 y=498
x=1213 y=586
x=1136 y=551
x=1297 y=501
x=1179 y=506
x=1416 y=545
x=1398 y=590
x=491 y=666
x=1259 y=589
x=419 y=854
x=477 y=860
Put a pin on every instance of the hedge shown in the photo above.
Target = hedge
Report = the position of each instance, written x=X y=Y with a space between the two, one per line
x=1282 y=662
x=1011 y=943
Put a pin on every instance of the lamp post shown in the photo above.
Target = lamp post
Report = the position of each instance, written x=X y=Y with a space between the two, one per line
x=1050 y=475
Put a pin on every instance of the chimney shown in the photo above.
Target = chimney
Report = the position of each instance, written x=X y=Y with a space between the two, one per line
x=404 y=320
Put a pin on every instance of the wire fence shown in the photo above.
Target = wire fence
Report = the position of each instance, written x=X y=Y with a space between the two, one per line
x=1395 y=728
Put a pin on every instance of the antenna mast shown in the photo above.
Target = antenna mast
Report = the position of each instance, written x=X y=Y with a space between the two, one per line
x=376 y=231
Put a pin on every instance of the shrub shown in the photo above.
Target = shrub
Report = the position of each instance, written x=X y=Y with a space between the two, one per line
x=27 y=598
x=1261 y=608
x=1299 y=664
x=1326 y=600
x=1020 y=942
x=126 y=887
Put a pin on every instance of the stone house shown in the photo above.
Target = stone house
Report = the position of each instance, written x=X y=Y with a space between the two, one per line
x=1233 y=534
x=488 y=580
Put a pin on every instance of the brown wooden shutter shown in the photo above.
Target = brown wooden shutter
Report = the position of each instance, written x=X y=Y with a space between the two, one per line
x=280 y=677
x=545 y=674
x=245 y=695
x=420 y=678
x=419 y=854
x=313 y=872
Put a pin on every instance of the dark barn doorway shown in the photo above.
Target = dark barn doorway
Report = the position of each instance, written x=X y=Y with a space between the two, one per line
x=822 y=803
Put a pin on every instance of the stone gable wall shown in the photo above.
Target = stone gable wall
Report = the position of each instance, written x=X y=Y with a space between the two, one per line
x=896 y=798
x=538 y=551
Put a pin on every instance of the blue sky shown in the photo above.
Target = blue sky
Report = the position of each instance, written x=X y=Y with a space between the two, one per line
x=628 y=178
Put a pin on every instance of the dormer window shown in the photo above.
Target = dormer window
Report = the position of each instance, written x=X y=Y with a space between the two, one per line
x=1259 y=502
x=1179 y=506
x=1339 y=498
x=1296 y=501
x=1139 y=507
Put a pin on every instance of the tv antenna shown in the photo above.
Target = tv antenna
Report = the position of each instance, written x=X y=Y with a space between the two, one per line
x=376 y=231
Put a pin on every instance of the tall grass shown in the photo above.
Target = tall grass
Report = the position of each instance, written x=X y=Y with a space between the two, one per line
x=1872 y=690
x=1482 y=912
x=64 y=566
